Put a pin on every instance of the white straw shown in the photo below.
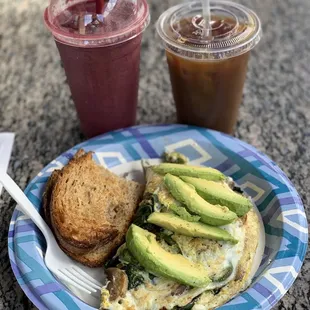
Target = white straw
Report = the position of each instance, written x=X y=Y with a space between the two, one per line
x=206 y=14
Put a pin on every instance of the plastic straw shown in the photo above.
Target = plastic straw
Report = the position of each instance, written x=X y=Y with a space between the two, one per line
x=206 y=14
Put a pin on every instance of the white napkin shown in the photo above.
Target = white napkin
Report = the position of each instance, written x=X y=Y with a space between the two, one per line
x=6 y=144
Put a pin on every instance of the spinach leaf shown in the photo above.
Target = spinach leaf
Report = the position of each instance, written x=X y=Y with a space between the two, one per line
x=142 y=214
x=146 y=207
x=127 y=258
x=135 y=275
x=163 y=236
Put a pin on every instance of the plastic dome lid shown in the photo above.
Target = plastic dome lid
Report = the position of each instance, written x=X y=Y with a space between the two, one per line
x=234 y=30
x=79 y=23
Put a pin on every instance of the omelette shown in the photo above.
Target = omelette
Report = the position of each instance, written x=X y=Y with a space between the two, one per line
x=172 y=237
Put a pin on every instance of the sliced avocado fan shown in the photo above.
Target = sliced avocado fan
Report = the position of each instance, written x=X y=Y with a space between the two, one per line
x=213 y=215
x=219 y=193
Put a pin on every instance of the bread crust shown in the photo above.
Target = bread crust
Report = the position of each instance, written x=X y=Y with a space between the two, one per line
x=48 y=194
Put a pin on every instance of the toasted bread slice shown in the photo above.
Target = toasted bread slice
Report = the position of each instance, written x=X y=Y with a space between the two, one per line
x=89 y=209
x=47 y=195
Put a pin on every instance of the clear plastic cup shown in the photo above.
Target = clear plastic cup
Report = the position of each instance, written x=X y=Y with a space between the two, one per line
x=208 y=73
x=101 y=57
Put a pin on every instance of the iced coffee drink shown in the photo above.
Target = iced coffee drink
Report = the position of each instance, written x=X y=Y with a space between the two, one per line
x=208 y=73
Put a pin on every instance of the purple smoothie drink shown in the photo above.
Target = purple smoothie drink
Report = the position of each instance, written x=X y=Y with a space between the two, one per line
x=99 y=43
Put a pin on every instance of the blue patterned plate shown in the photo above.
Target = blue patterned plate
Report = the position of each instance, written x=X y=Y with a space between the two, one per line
x=280 y=207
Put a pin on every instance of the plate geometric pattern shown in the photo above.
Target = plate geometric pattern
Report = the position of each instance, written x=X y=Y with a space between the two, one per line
x=278 y=202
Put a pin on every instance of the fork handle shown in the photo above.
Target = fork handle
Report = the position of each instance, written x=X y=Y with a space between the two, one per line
x=24 y=204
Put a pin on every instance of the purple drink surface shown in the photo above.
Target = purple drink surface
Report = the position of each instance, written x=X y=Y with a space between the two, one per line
x=103 y=80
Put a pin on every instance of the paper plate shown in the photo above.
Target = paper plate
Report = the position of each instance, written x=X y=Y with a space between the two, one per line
x=281 y=209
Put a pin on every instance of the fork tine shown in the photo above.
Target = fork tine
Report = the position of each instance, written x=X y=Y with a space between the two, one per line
x=67 y=280
x=84 y=279
x=87 y=276
x=68 y=273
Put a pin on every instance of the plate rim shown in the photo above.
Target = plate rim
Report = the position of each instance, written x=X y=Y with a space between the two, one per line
x=265 y=303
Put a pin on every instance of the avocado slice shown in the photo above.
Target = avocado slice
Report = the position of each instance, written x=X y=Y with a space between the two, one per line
x=143 y=246
x=213 y=215
x=178 y=225
x=170 y=203
x=219 y=193
x=191 y=171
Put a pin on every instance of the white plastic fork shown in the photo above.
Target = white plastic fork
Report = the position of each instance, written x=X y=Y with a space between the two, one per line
x=77 y=278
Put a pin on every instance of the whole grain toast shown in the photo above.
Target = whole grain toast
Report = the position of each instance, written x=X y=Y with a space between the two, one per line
x=89 y=209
